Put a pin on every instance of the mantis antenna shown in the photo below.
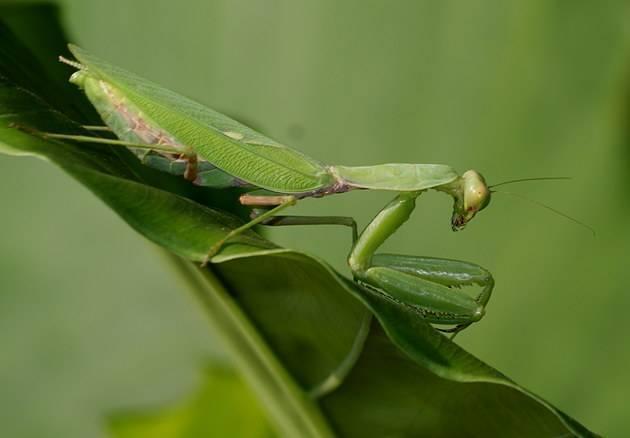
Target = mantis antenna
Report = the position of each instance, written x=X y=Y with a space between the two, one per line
x=540 y=204
x=540 y=178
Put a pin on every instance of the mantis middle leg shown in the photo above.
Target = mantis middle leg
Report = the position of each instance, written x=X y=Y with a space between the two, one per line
x=271 y=217
x=284 y=202
x=260 y=202
x=279 y=221
x=430 y=286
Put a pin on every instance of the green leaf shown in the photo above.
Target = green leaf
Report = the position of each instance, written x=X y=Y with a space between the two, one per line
x=223 y=406
x=293 y=325
x=408 y=400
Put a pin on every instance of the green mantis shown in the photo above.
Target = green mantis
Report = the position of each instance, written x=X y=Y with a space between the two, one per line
x=172 y=133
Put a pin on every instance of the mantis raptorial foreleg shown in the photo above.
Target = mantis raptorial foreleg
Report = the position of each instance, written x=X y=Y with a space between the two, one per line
x=452 y=274
x=428 y=285
x=386 y=222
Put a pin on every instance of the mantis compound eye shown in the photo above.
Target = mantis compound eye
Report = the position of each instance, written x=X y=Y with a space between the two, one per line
x=474 y=197
x=476 y=191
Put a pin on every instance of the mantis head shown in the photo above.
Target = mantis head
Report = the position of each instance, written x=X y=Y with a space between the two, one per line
x=472 y=196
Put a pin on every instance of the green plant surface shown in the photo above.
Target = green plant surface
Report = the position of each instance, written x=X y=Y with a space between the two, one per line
x=290 y=323
x=223 y=406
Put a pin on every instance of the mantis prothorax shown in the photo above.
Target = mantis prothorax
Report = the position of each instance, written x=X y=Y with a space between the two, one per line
x=173 y=133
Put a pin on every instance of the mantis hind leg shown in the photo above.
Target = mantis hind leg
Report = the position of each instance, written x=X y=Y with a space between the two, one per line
x=190 y=172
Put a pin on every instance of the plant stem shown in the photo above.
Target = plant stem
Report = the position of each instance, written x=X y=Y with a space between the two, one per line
x=294 y=413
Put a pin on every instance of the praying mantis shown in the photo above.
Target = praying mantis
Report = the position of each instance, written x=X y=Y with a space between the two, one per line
x=172 y=133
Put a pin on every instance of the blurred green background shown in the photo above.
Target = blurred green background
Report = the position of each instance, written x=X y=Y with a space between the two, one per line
x=90 y=319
